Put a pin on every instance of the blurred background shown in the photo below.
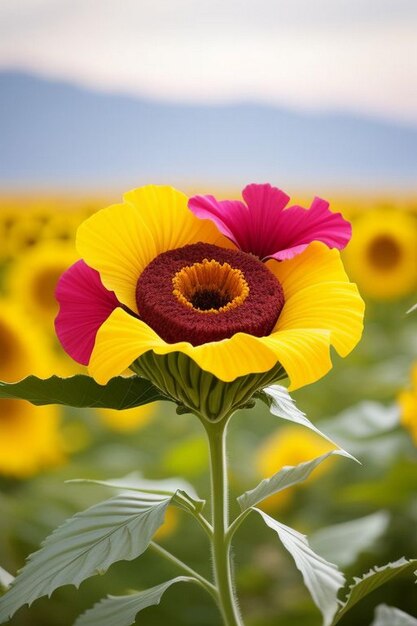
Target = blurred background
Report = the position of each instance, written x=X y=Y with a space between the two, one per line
x=318 y=98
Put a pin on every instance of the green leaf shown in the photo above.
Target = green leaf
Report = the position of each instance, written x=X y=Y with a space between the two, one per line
x=363 y=421
x=282 y=405
x=183 y=493
x=87 y=544
x=83 y=391
x=371 y=581
x=412 y=309
x=122 y=610
x=6 y=579
x=135 y=482
x=369 y=430
x=288 y=476
x=390 y=616
x=322 y=579
x=343 y=543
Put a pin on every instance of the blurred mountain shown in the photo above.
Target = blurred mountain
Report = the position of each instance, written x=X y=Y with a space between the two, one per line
x=53 y=133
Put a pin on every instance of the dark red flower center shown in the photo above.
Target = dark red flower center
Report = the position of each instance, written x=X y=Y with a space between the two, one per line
x=202 y=293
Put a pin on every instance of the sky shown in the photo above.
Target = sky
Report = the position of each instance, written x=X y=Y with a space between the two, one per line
x=339 y=55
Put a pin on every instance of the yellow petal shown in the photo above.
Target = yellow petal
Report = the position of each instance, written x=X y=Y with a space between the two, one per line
x=303 y=353
x=318 y=295
x=333 y=306
x=121 y=240
x=123 y=338
x=317 y=264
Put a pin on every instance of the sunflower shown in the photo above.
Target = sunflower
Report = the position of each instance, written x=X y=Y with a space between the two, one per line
x=33 y=277
x=289 y=445
x=62 y=226
x=23 y=348
x=128 y=420
x=382 y=256
x=407 y=400
x=9 y=216
x=29 y=438
x=240 y=290
x=23 y=234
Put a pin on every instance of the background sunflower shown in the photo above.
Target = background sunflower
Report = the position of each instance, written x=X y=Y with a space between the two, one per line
x=382 y=256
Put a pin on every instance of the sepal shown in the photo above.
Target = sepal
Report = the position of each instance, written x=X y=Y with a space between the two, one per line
x=197 y=391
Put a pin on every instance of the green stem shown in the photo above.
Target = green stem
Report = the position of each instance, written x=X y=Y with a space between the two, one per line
x=236 y=523
x=216 y=433
x=186 y=569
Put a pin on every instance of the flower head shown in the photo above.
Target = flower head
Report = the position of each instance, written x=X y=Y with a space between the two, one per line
x=29 y=438
x=33 y=277
x=23 y=348
x=156 y=281
x=382 y=256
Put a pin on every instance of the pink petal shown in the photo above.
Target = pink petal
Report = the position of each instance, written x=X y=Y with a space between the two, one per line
x=265 y=228
x=84 y=306
x=318 y=223
x=230 y=216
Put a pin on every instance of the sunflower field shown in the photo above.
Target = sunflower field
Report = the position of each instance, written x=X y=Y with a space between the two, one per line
x=356 y=515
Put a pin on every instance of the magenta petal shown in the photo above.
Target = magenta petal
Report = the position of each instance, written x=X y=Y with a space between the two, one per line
x=84 y=305
x=246 y=225
x=264 y=199
x=230 y=217
x=302 y=226
x=264 y=226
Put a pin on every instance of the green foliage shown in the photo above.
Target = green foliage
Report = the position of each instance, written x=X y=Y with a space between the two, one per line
x=6 y=579
x=366 y=429
x=87 y=544
x=343 y=543
x=281 y=404
x=390 y=616
x=122 y=610
x=83 y=391
x=181 y=492
x=371 y=581
x=286 y=477
x=322 y=579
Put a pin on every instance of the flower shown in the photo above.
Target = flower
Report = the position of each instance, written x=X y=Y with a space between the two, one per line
x=407 y=400
x=23 y=347
x=23 y=234
x=157 y=280
x=128 y=420
x=29 y=438
x=29 y=435
x=382 y=256
x=33 y=277
x=289 y=445
x=61 y=226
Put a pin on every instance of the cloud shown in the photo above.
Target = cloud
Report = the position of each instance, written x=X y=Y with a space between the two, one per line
x=356 y=55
